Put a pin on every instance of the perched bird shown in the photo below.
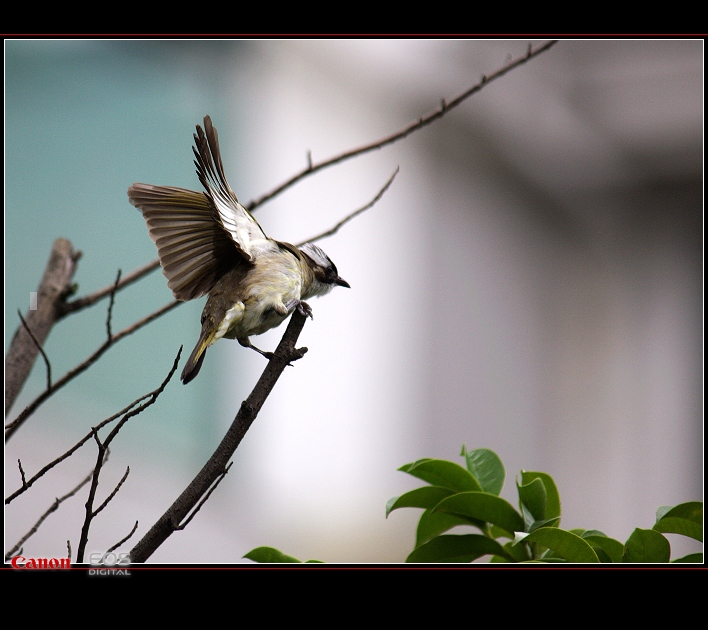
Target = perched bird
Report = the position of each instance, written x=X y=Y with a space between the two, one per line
x=208 y=243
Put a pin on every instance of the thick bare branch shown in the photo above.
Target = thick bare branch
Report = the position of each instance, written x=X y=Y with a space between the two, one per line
x=54 y=288
x=216 y=467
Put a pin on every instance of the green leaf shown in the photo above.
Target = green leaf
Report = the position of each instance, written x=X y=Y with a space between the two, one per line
x=548 y=522
x=601 y=555
x=433 y=524
x=692 y=510
x=553 y=503
x=484 y=507
x=663 y=510
x=520 y=553
x=685 y=519
x=269 y=555
x=498 y=532
x=564 y=544
x=440 y=472
x=452 y=548
x=669 y=525
x=532 y=501
x=487 y=468
x=426 y=497
x=613 y=548
x=646 y=545
x=692 y=557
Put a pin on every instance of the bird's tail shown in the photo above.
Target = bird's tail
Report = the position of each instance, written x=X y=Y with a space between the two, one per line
x=194 y=363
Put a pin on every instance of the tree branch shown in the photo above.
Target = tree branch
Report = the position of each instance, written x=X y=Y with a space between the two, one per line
x=445 y=107
x=122 y=540
x=51 y=293
x=33 y=406
x=204 y=499
x=53 y=508
x=349 y=217
x=101 y=458
x=47 y=364
x=216 y=467
x=26 y=485
x=88 y=300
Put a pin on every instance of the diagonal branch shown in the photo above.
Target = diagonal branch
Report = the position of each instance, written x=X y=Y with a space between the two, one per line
x=26 y=485
x=204 y=499
x=91 y=513
x=216 y=467
x=445 y=107
x=88 y=300
x=82 y=367
x=350 y=216
x=122 y=540
x=55 y=286
x=53 y=508
x=47 y=364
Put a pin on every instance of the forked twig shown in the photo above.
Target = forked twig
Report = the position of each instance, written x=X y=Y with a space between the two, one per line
x=32 y=407
x=91 y=513
x=53 y=508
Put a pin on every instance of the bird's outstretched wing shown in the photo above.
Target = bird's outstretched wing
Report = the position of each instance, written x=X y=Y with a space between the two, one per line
x=234 y=218
x=193 y=248
x=199 y=236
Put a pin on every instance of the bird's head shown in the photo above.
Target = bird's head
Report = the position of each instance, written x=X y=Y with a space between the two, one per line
x=324 y=272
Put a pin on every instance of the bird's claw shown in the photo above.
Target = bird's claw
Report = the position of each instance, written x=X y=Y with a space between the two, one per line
x=304 y=309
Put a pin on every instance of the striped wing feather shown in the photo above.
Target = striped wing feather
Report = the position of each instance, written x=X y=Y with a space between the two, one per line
x=193 y=247
x=234 y=218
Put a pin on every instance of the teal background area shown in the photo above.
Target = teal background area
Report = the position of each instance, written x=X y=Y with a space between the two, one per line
x=84 y=120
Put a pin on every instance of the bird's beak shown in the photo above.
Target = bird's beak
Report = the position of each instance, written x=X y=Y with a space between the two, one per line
x=341 y=282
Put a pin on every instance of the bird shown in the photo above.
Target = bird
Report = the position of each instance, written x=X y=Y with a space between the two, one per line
x=208 y=243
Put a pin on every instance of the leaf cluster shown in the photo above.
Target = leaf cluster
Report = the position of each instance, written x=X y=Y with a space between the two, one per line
x=469 y=496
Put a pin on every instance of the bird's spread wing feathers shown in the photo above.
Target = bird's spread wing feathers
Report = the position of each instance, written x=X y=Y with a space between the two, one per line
x=199 y=236
x=233 y=217
x=193 y=248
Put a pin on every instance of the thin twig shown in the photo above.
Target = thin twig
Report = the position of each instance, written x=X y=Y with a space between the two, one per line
x=349 y=217
x=39 y=347
x=32 y=407
x=111 y=301
x=100 y=460
x=445 y=106
x=204 y=499
x=88 y=300
x=122 y=540
x=53 y=508
x=112 y=494
x=70 y=452
x=22 y=473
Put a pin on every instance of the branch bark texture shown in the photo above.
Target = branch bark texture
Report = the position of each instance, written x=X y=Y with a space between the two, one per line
x=54 y=288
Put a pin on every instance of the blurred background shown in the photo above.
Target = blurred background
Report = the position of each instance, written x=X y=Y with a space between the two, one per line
x=531 y=282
